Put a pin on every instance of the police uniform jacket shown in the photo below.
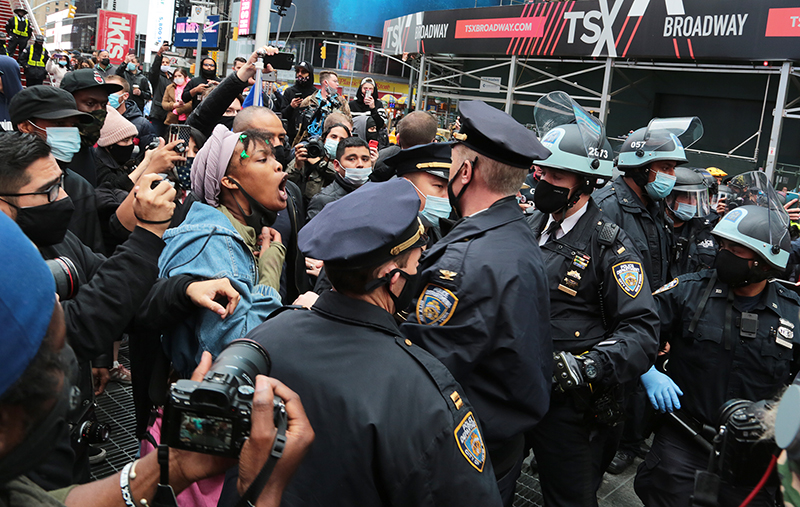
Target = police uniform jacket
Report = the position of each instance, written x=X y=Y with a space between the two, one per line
x=484 y=312
x=693 y=248
x=38 y=55
x=392 y=425
x=716 y=363
x=644 y=224
x=600 y=300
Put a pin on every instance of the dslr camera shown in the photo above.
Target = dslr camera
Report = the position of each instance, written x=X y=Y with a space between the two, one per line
x=66 y=276
x=315 y=148
x=213 y=416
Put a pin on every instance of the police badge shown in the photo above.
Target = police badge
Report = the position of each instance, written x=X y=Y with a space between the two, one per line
x=470 y=442
x=629 y=277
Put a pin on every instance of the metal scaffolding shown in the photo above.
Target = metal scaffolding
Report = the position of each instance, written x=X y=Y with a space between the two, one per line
x=457 y=77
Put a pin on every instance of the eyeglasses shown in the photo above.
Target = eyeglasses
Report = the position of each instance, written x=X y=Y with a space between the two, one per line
x=51 y=192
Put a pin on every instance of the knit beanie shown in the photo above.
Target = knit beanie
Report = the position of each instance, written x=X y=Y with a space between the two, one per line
x=115 y=129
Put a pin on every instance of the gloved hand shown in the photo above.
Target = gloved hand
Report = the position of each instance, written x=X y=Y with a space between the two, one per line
x=566 y=371
x=661 y=390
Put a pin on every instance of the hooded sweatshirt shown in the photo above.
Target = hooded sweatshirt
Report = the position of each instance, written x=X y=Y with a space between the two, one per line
x=296 y=90
x=203 y=78
x=359 y=108
x=11 y=86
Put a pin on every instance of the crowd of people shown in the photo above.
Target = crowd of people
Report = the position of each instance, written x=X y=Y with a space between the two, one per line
x=432 y=312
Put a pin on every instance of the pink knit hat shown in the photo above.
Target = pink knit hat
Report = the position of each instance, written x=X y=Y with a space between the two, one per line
x=115 y=129
x=211 y=163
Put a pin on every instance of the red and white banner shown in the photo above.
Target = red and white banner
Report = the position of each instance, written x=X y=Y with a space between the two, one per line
x=244 y=16
x=116 y=33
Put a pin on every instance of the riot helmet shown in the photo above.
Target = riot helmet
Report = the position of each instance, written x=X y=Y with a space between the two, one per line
x=689 y=196
x=760 y=223
x=577 y=144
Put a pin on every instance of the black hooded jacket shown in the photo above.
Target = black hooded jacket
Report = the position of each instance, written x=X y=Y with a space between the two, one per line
x=359 y=108
x=196 y=81
x=296 y=90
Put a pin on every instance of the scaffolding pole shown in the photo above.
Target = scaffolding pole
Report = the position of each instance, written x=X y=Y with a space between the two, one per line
x=606 y=93
x=777 y=119
x=512 y=78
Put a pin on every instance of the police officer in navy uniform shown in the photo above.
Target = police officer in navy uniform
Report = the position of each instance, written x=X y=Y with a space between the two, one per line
x=733 y=333
x=483 y=308
x=427 y=167
x=392 y=425
x=602 y=314
x=633 y=201
x=688 y=208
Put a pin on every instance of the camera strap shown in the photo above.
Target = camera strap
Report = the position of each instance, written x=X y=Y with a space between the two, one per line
x=254 y=491
x=165 y=496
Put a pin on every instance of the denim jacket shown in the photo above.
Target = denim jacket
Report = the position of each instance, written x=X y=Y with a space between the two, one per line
x=206 y=245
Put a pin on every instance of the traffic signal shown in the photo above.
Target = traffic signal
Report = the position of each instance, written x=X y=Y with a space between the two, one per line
x=323 y=52
x=72 y=10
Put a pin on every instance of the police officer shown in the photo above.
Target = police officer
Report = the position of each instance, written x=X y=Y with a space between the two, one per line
x=647 y=158
x=427 y=167
x=602 y=314
x=33 y=60
x=19 y=31
x=483 y=308
x=693 y=247
x=392 y=425
x=732 y=334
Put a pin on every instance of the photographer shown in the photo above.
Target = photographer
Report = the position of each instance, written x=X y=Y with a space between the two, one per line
x=110 y=290
x=367 y=103
x=34 y=398
x=732 y=334
x=212 y=109
x=315 y=108
x=314 y=170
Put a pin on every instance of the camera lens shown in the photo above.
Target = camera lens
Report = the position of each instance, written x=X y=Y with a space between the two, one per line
x=237 y=365
x=93 y=432
x=66 y=276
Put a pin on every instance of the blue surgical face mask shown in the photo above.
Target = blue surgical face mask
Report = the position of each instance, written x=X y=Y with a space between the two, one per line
x=357 y=175
x=684 y=212
x=113 y=100
x=436 y=208
x=330 y=148
x=661 y=186
x=64 y=142
x=63 y=63
x=131 y=66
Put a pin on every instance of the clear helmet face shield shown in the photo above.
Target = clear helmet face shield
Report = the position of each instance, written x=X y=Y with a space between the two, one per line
x=594 y=157
x=682 y=201
x=660 y=131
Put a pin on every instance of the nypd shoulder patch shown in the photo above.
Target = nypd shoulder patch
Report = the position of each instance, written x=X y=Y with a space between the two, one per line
x=436 y=305
x=665 y=288
x=470 y=441
x=629 y=277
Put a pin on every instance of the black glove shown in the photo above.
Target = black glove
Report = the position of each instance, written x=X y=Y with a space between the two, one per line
x=566 y=371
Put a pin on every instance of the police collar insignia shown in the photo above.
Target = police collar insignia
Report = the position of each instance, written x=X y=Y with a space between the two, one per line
x=436 y=305
x=667 y=287
x=706 y=243
x=470 y=442
x=629 y=277
x=447 y=275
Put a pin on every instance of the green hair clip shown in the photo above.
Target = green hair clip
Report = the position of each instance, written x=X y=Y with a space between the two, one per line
x=244 y=154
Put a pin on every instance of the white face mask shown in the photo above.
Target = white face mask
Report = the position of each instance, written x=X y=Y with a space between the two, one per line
x=179 y=81
x=357 y=175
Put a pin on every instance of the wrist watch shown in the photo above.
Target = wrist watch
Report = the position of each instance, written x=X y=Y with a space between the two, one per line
x=589 y=367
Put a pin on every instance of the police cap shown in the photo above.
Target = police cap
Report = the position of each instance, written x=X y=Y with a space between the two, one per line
x=497 y=135
x=365 y=228
x=433 y=158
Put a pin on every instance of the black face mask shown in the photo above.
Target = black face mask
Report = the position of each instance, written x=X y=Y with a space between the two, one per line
x=451 y=194
x=549 y=198
x=208 y=74
x=227 y=121
x=46 y=224
x=120 y=154
x=281 y=154
x=402 y=301
x=372 y=136
x=259 y=215
x=302 y=81
x=735 y=271
x=41 y=440
x=90 y=132
x=104 y=62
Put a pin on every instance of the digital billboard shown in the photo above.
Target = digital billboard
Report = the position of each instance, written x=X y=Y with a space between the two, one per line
x=362 y=17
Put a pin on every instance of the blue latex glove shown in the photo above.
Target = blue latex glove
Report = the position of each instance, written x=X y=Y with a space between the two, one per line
x=661 y=390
